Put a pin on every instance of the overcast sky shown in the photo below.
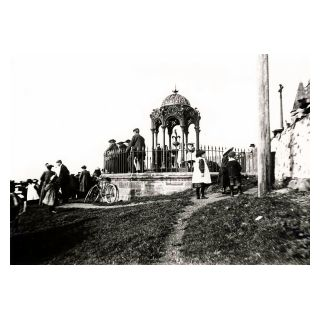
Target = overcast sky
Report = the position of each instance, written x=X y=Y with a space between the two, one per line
x=67 y=106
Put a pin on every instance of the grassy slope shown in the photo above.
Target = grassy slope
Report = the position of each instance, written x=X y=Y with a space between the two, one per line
x=129 y=235
x=226 y=232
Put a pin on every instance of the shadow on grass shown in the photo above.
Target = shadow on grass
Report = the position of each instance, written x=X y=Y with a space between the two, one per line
x=125 y=235
x=39 y=246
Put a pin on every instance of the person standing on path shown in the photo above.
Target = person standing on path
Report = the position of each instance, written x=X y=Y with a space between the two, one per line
x=201 y=175
x=234 y=171
x=51 y=193
x=85 y=181
x=223 y=173
x=63 y=180
x=44 y=179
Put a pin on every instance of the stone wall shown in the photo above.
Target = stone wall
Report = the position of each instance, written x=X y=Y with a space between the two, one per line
x=149 y=184
x=292 y=151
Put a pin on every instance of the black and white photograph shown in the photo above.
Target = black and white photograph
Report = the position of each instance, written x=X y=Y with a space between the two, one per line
x=141 y=160
x=147 y=159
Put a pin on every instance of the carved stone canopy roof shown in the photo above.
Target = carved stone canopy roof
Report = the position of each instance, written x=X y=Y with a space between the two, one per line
x=175 y=110
x=175 y=99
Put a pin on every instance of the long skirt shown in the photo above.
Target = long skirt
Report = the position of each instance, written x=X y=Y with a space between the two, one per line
x=42 y=193
x=50 y=197
x=224 y=178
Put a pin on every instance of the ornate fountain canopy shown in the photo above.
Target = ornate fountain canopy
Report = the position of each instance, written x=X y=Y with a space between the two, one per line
x=175 y=99
x=175 y=110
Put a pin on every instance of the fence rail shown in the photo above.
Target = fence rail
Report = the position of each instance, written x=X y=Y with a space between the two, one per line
x=165 y=160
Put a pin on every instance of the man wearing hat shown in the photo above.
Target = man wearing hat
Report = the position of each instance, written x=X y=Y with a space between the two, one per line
x=137 y=145
x=110 y=157
x=63 y=180
x=234 y=171
x=85 y=181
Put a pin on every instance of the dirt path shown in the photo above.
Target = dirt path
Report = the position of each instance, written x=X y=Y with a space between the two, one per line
x=81 y=205
x=173 y=254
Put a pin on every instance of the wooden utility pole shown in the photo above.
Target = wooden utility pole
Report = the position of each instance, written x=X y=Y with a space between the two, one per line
x=264 y=148
x=281 y=109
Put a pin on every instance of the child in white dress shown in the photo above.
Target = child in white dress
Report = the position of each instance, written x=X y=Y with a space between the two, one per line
x=201 y=175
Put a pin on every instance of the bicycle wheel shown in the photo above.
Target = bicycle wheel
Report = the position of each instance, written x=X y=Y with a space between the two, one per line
x=92 y=195
x=111 y=193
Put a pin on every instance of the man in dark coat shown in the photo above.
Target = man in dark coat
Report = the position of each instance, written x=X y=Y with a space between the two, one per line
x=74 y=186
x=63 y=180
x=85 y=181
x=234 y=171
x=138 y=147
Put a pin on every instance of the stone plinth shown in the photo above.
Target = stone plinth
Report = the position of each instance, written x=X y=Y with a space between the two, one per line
x=133 y=185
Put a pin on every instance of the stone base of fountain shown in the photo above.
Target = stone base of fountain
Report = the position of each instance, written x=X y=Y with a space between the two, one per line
x=132 y=185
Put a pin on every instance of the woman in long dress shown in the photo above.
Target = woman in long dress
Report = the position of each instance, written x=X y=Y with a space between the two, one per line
x=223 y=174
x=201 y=175
x=51 y=190
x=45 y=178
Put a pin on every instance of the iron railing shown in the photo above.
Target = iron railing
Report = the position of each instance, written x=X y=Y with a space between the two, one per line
x=160 y=160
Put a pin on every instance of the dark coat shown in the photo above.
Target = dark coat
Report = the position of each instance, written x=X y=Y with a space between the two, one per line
x=96 y=173
x=45 y=177
x=234 y=169
x=137 y=143
x=85 y=181
x=201 y=165
x=223 y=173
x=64 y=176
x=111 y=154
x=74 y=186
x=158 y=157
x=112 y=147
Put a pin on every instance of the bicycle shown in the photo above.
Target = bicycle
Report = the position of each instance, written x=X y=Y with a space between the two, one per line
x=104 y=190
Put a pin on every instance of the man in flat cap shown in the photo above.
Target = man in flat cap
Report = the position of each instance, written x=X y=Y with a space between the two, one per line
x=137 y=146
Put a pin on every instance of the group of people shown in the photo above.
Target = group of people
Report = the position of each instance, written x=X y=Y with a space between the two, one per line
x=51 y=182
x=126 y=156
x=229 y=175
